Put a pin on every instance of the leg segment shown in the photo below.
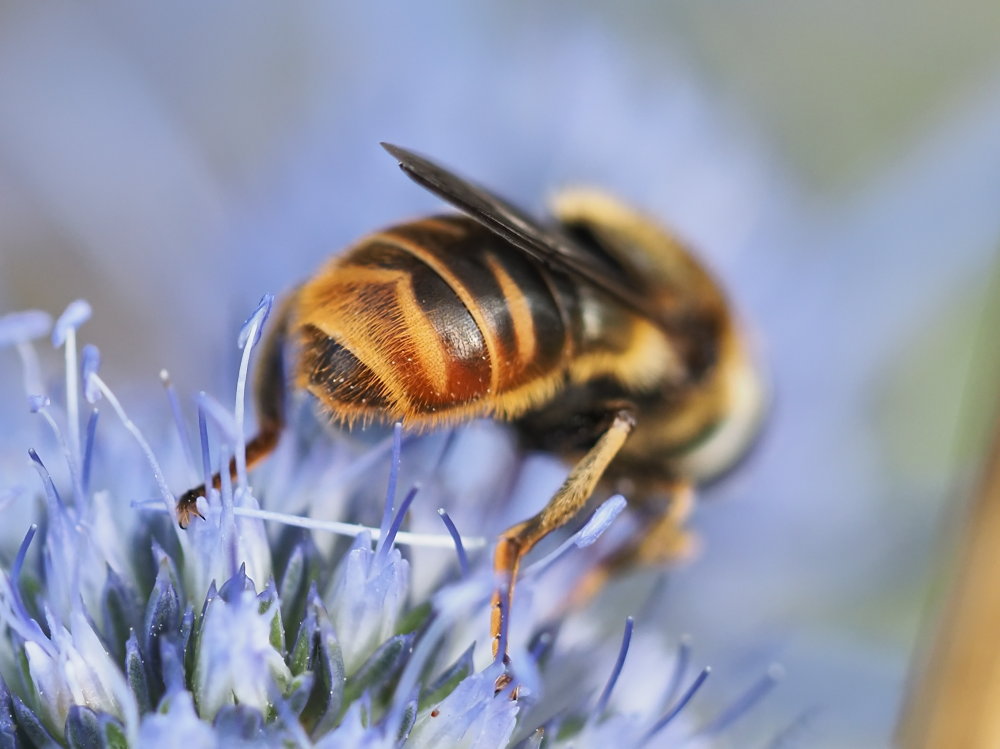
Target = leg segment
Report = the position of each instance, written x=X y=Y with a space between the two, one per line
x=269 y=397
x=567 y=502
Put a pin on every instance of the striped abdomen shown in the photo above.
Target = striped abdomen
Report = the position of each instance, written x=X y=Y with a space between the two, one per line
x=441 y=320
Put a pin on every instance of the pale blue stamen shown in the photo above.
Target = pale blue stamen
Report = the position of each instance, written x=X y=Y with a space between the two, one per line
x=227 y=523
x=18 y=329
x=55 y=501
x=680 y=668
x=463 y=559
x=75 y=315
x=17 y=619
x=224 y=421
x=22 y=552
x=91 y=363
x=221 y=417
x=21 y=327
x=599 y=522
x=385 y=543
x=175 y=410
x=402 y=538
x=168 y=498
x=31 y=376
x=206 y=455
x=681 y=704
x=39 y=404
x=254 y=324
x=248 y=338
x=64 y=334
x=88 y=450
x=226 y=424
x=744 y=702
x=602 y=701
x=20 y=610
x=390 y=494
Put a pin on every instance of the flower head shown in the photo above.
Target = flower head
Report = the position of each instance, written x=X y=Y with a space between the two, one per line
x=366 y=597
x=239 y=657
x=120 y=629
x=75 y=669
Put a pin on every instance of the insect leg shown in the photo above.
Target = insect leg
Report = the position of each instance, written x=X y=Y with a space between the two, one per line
x=269 y=396
x=571 y=497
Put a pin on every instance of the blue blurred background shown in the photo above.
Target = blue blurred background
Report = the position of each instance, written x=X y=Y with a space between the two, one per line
x=837 y=163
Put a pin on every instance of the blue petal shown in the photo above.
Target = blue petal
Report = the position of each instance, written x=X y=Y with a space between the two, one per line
x=29 y=723
x=299 y=691
x=163 y=618
x=172 y=661
x=238 y=723
x=82 y=728
x=235 y=586
x=120 y=611
x=300 y=658
x=294 y=580
x=135 y=674
x=8 y=726
x=328 y=666
x=381 y=667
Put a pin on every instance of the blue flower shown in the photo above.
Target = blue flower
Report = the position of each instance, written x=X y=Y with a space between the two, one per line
x=235 y=659
x=120 y=629
x=366 y=598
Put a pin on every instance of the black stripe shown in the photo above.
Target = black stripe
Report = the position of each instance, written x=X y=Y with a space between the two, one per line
x=335 y=373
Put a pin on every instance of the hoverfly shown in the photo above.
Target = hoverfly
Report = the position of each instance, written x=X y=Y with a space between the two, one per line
x=600 y=337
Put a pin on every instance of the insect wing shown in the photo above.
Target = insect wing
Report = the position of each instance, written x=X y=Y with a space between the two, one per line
x=545 y=245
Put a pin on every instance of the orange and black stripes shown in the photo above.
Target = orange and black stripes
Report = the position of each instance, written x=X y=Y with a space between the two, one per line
x=415 y=323
x=504 y=291
x=440 y=320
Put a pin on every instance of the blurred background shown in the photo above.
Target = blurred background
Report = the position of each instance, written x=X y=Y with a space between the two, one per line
x=838 y=164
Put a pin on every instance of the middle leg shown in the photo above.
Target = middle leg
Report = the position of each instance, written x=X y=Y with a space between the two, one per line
x=567 y=502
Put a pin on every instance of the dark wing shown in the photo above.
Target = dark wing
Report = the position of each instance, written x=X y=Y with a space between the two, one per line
x=547 y=245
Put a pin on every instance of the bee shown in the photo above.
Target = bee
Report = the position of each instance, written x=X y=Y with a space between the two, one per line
x=598 y=336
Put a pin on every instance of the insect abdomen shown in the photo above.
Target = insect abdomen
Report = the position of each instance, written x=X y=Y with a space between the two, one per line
x=432 y=321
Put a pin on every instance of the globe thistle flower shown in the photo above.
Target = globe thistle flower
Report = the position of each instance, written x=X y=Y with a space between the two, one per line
x=120 y=629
